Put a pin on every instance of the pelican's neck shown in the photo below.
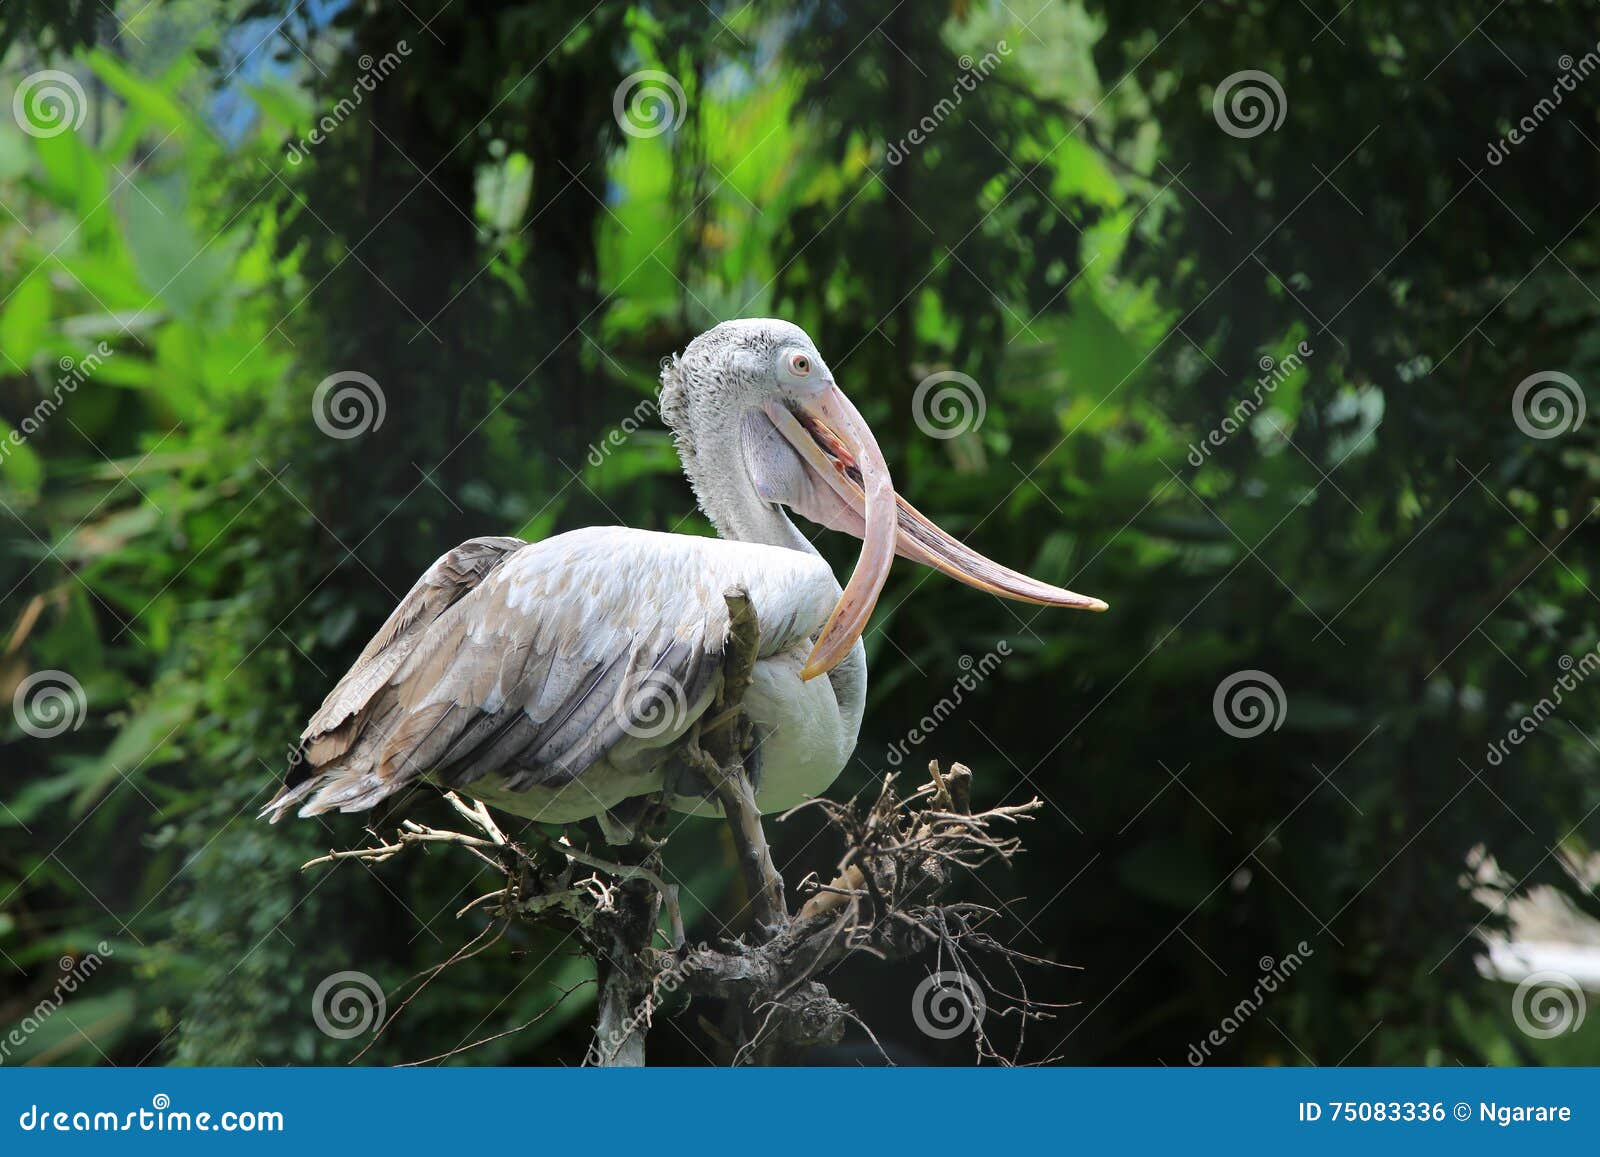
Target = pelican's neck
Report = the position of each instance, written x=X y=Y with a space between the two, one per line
x=716 y=469
x=714 y=464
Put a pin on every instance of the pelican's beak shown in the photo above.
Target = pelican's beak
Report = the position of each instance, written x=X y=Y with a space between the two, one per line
x=839 y=450
x=873 y=501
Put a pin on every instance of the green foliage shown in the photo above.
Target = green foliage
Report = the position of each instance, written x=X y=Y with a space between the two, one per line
x=484 y=240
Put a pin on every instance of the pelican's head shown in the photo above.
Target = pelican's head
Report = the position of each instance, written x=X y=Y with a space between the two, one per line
x=759 y=391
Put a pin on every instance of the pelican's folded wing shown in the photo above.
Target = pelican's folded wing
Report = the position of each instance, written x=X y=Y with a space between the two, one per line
x=441 y=586
x=552 y=655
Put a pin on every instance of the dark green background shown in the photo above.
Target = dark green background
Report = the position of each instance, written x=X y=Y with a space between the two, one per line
x=1078 y=235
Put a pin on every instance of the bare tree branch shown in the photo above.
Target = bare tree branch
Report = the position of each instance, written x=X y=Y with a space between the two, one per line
x=884 y=900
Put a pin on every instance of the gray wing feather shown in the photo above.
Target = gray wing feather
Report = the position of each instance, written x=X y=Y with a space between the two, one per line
x=472 y=675
x=451 y=577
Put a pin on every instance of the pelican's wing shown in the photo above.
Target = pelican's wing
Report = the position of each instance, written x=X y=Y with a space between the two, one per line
x=441 y=586
x=558 y=653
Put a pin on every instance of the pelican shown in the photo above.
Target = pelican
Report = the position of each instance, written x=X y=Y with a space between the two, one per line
x=554 y=679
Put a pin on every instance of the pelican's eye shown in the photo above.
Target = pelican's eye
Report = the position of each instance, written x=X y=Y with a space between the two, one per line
x=799 y=365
